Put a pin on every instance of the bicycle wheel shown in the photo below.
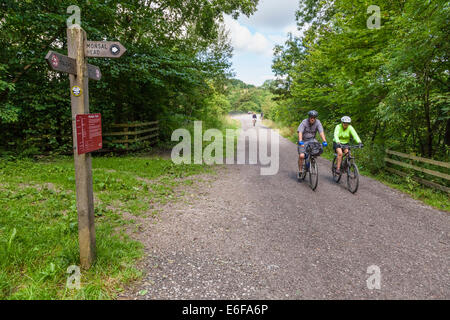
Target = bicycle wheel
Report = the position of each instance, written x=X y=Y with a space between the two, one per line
x=336 y=177
x=313 y=174
x=352 y=178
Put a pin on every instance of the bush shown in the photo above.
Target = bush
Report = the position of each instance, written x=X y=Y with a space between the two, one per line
x=169 y=123
x=371 y=158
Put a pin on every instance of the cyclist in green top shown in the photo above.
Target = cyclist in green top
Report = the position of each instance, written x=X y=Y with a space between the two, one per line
x=342 y=134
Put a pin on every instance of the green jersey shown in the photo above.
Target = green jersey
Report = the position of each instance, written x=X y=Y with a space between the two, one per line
x=343 y=136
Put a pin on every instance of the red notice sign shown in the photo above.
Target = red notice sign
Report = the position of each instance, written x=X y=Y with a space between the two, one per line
x=89 y=132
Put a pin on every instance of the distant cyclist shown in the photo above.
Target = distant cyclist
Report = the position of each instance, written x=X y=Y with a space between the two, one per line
x=342 y=134
x=307 y=131
x=254 y=118
x=262 y=115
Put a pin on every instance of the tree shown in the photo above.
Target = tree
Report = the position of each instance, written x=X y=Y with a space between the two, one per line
x=393 y=80
x=175 y=51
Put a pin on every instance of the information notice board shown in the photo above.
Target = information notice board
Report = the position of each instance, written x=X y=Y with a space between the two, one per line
x=89 y=132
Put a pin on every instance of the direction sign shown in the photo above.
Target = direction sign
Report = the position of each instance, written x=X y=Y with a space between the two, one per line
x=62 y=63
x=104 y=49
x=94 y=72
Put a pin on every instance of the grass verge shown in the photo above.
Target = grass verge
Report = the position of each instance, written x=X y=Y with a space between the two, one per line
x=39 y=228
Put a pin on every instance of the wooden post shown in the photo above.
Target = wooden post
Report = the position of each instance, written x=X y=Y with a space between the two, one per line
x=126 y=137
x=76 y=38
x=80 y=72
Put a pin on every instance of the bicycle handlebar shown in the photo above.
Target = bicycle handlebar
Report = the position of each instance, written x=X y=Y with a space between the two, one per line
x=352 y=147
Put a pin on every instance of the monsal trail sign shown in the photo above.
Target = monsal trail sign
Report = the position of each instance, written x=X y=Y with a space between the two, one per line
x=104 y=49
x=87 y=134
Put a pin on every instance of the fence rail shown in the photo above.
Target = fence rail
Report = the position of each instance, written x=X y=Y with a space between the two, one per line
x=420 y=159
x=423 y=181
x=133 y=135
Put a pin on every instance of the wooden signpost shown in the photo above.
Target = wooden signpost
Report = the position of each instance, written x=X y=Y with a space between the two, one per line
x=75 y=64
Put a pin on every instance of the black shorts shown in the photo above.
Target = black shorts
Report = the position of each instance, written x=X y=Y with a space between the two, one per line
x=340 y=145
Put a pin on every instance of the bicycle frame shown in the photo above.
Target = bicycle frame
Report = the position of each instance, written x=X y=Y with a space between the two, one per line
x=347 y=164
x=308 y=160
x=306 y=165
x=310 y=166
x=347 y=160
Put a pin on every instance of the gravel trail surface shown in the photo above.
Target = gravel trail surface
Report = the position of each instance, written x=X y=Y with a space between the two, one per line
x=243 y=235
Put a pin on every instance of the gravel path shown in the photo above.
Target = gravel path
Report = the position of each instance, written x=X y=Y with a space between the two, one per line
x=247 y=236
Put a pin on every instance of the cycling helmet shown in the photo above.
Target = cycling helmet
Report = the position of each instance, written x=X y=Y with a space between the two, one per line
x=346 y=119
x=313 y=114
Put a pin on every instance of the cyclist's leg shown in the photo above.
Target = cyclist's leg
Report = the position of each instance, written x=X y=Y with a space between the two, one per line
x=339 y=153
x=301 y=157
x=345 y=150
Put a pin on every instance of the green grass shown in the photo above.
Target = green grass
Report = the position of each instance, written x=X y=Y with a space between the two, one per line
x=429 y=196
x=371 y=158
x=39 y=230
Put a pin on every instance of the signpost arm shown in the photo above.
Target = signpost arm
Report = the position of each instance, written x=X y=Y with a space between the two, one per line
x=76 y=38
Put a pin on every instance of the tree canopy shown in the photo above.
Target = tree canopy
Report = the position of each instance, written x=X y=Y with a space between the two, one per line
x=178 y=57
x=393 y=81
x=244 y=97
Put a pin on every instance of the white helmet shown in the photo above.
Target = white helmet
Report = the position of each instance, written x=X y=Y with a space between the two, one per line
x=346 y=119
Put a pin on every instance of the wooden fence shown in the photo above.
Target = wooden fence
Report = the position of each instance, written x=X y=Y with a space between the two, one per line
x=133 y=132
x=408 y=165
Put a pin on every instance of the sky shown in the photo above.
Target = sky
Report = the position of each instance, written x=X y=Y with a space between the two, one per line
x=254 y=38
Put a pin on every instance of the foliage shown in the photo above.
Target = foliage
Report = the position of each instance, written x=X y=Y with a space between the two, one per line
x=243 y=97
x=392 y=81
x=178 y=55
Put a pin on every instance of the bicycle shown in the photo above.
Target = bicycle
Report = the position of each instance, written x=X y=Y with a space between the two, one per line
x=254 y=121
x=313 y=150
x=348 y=166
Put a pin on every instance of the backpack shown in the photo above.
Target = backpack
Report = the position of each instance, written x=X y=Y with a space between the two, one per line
x=315 y=149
